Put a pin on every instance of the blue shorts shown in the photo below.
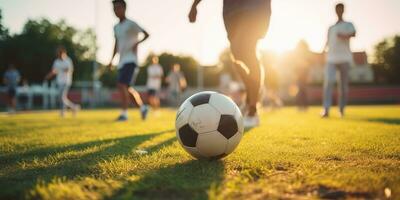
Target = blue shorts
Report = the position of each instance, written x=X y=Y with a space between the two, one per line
x=125 y=74
x=12 y=92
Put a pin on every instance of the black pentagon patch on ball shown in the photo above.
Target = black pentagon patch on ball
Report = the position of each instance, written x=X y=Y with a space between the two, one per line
x=188 y=136
x=200 y=99
x=227 y=126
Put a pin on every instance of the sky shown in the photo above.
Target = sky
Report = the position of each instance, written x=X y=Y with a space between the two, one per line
x=166 y=21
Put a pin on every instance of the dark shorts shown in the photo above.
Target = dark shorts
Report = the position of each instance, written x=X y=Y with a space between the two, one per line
x=247 y=22
x=125 y=74
x=12 y=92
x=152 y=92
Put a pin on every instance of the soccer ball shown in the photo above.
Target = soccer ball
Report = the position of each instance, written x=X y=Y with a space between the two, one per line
x=209 y=125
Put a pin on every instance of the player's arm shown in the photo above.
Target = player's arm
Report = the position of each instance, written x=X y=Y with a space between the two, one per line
x=193 y=11
x=183 y=82
x=346 y=36
x=146 y=36
x=50 y=75
x=113 y=54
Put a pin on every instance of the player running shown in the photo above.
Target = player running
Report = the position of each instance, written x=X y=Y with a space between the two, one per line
x=155 y=74
x=246 y=22
x=126 y=45
x=63 y=69
x=11 y=79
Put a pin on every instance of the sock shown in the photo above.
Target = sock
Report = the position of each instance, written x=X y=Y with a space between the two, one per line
x=124 y=113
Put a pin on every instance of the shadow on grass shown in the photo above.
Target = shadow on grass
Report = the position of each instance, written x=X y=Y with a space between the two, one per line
x=14 y=184
x=390 y=121
x=189 y=180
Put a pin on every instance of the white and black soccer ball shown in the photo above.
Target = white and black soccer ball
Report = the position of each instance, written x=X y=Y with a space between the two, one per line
x=209 y=125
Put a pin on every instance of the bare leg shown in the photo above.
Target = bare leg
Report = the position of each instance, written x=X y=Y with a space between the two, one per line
x=154 y=102
x=123 y=90
x=135 y=96
x=249 y=69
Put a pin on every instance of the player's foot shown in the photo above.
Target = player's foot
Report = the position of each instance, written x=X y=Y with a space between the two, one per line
x=75 y=110
x=324 y=114
x=341 y=114
x=251 y=121
x=122 y=118
x=144 y=110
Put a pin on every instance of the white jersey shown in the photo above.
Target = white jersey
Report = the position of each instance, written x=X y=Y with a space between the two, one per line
x=64 y=69
x=154 y=76
x=338 y=49
x=127 y=34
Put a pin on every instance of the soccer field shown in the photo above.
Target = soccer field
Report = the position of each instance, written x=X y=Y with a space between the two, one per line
x=291 y=155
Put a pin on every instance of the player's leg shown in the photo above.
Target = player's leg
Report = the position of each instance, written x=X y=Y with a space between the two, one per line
x=156 y=100
x=135 y=96
x=124 y=95
x=245 y=28
x=132 y=93
x=11 y=100
x=123 y=81
x=68 y=103
x=329 y=83
x=343 y=86
x=63 y=107
x=233 y=28
x=244 y=52
x=152 y=98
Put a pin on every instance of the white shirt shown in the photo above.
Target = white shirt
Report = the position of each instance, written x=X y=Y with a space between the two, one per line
x=154 y=76
x=338 y=49
x=64 y=69
x=127 y=34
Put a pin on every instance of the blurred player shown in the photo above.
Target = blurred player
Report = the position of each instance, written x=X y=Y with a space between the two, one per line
x=63 y=69
x=126 y=45
x=176 y=83
x=246 y=22
x=302 y=61
x=339 y=58
x=11 y=79
x=155 y=74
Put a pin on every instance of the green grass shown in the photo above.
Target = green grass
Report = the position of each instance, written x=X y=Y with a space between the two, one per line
x=292 y=155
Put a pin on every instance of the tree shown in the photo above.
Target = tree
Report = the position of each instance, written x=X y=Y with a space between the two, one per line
x=386 y=63
x=3 y=30
x=33 y=50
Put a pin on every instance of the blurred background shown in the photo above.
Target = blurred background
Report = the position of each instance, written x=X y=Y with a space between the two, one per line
x=31 y=30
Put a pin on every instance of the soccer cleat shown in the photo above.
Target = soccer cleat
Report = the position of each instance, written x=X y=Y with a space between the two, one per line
x=144 y=110
x=251 y=121
x=324 y=114
x=122 y=118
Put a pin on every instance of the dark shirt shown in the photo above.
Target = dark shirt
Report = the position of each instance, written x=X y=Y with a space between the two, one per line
x=239 y=5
